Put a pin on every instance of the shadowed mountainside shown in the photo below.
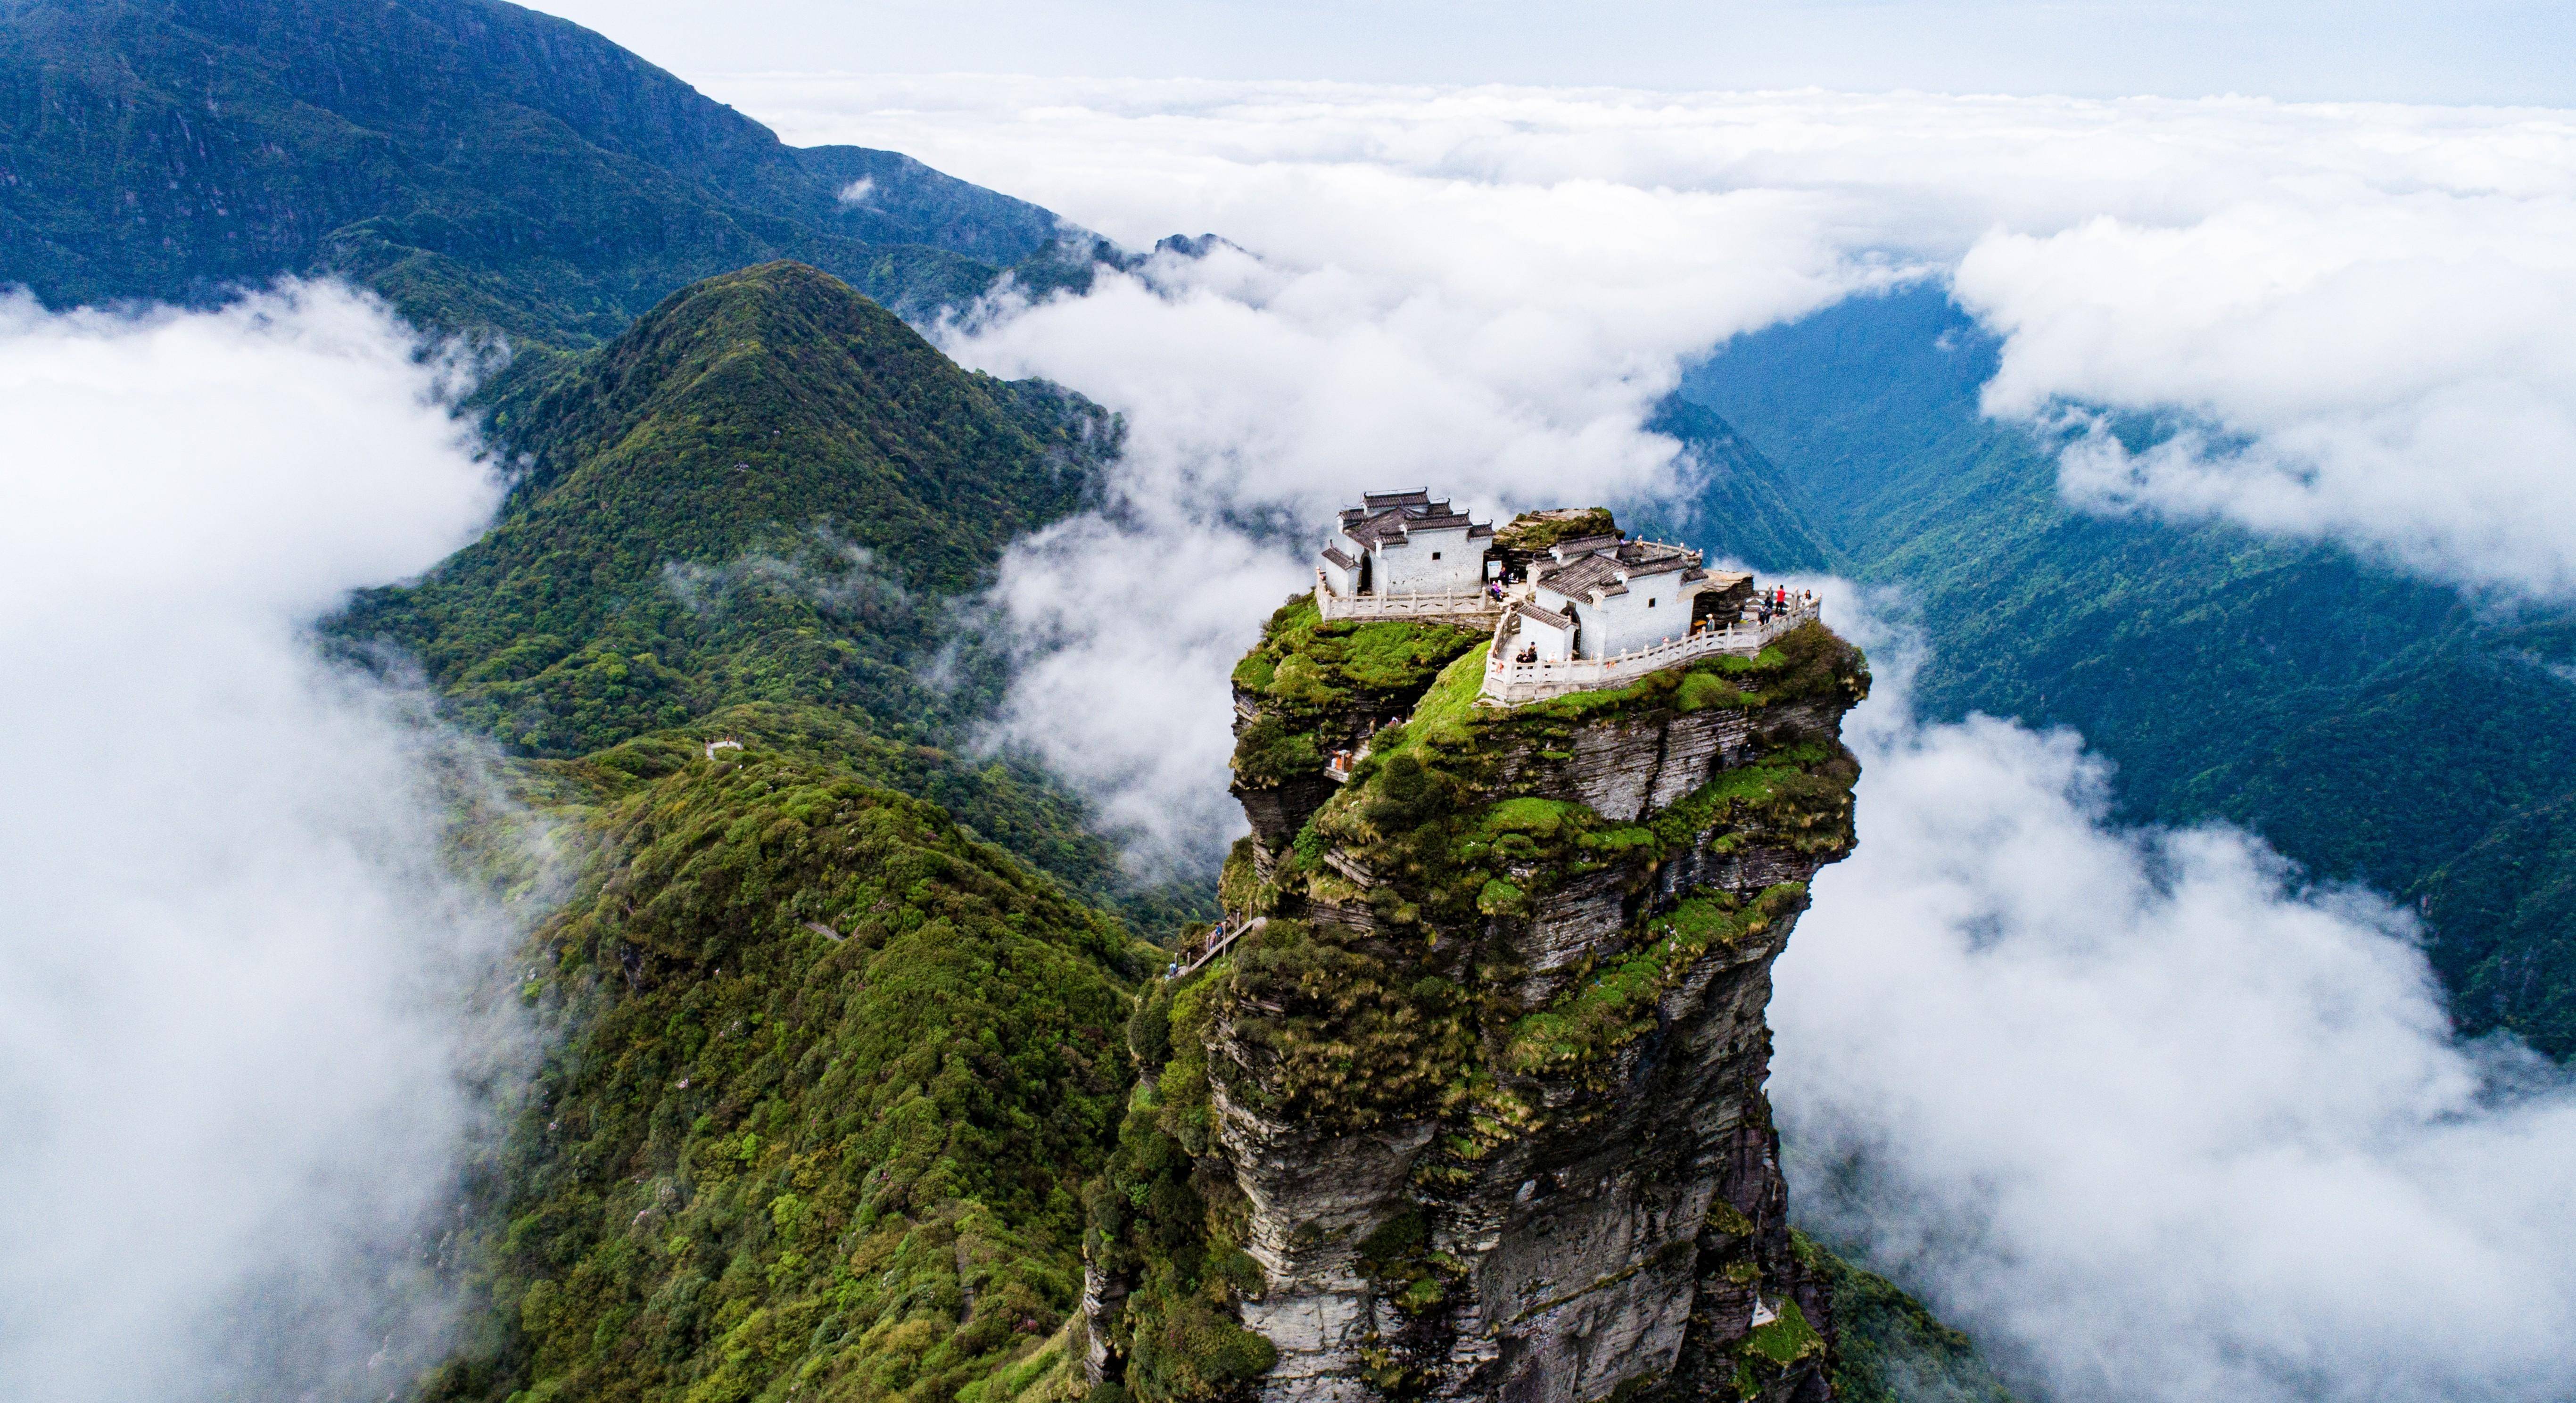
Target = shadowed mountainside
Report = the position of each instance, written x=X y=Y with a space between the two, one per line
x=477 y=163
x=1748 y=509
x=2370 y=725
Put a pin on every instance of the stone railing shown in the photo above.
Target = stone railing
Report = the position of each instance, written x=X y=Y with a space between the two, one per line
x=1474 y=605
x=1219 y=941
x=1511 y=683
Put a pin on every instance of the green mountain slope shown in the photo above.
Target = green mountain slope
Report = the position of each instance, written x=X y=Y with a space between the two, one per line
x=478 y=163
x=2369 y=725
x=1748 y=509
x=833 y=1078
x=750 y=517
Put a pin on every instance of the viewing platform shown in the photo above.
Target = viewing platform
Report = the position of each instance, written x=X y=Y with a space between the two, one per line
x=1467 y=607
x=1509 y=682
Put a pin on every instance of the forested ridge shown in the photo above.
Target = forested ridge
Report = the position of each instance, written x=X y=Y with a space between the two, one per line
x=839 y=1005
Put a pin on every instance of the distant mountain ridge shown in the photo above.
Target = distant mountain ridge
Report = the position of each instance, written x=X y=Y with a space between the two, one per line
x=478 y=163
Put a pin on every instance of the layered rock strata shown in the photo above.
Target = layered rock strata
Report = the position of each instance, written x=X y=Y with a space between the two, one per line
x=1478 y=1113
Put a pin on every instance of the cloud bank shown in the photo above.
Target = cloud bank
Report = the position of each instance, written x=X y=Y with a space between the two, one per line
x=2149 y=1111
x=230 y=1044
x=1260 y=397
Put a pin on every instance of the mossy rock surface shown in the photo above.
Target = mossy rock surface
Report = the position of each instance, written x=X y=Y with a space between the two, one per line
x=1316 y=686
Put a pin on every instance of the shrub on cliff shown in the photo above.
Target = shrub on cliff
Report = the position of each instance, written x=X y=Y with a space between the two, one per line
x=1166 y=1217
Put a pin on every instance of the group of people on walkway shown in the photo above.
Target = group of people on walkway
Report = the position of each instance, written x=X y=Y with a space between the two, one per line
x=1780 y=599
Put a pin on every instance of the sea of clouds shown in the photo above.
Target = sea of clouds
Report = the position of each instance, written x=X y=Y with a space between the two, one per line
x=2158 y=1117
x=236 y=1049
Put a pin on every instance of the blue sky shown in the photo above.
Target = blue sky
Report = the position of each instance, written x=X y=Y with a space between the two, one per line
x=2468 y=51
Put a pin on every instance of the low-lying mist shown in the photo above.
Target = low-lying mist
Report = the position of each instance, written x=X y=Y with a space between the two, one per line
x=239 y=1031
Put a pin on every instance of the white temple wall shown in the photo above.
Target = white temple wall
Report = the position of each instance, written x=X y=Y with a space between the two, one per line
x=1652 y=611
x=1430 y=562
x=1554 y=645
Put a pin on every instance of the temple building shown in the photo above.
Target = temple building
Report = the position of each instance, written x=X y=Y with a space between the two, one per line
x=1600 y=596
x=1404 y=543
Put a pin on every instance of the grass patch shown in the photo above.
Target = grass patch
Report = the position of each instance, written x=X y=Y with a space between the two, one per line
x=1319 y=686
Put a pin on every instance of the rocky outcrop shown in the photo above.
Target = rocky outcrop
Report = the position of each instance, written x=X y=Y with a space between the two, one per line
x=1484 y=1096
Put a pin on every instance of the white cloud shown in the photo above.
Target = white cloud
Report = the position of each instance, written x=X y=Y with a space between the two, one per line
x=2361 y=308
x=2149 y=1113
x=1111 y=685
x=2390 y=367
x=230 y=1022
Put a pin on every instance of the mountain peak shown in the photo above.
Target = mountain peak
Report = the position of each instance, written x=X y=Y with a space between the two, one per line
x=768 y=466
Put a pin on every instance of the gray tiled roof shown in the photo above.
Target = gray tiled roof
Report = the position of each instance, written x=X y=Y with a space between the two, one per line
x=1582 y=545
x=1666 y=561
x=1542 y=614
x=1369 y=531
x=1606 y=563
x=1389 y=518
x=1582 y=575
x=1372 y=503
x=1334 y=554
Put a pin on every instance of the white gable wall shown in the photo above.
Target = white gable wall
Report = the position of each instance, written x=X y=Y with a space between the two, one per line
x=1654 y=609
x=1344 y=582
x=1554 y=645
x=1411 y=568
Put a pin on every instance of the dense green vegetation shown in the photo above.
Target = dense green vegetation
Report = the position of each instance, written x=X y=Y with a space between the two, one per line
x=1168 y=1217
x=2369 y=725
x=760 y=491
x=477 y=163
x=1889 y=1349
x=748 y=516
x=833 y=1076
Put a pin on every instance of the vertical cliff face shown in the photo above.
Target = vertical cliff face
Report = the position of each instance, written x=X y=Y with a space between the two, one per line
x=1477 y=1111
